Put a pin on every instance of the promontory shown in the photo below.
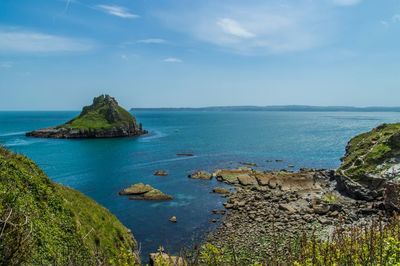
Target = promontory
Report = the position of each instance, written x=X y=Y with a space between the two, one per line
x=103 y=119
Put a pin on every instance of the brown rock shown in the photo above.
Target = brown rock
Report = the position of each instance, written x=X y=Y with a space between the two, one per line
x=136 y=189
x=287 y=208
x=220 y=190
x=246 y=180
x=160 y=173
x=201 y=175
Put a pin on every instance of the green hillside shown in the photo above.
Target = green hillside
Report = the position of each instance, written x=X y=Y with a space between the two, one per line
x=376 y=152
x=45 y=223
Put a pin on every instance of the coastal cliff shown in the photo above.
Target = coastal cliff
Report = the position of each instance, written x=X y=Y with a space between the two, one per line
x=44 y=223
x=371 y=162
x=103 y=119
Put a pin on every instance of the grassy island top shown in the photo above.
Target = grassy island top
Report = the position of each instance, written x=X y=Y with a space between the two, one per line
x=48 y=224
x=373 y=152
x=104 y=113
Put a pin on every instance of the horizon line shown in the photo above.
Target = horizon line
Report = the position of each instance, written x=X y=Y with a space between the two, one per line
x=291 y=107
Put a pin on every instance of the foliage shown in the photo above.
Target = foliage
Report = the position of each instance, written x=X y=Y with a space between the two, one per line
x=104 y=113
x=51 y=224
x=373 y=244
x=367 y=151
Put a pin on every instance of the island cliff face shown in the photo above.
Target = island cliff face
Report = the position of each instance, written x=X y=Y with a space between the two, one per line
x=103 y=119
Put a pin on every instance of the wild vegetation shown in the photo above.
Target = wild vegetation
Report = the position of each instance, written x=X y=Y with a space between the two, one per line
x=372 y=152
x=43 y=223
x=373 y=244
x=99 y=116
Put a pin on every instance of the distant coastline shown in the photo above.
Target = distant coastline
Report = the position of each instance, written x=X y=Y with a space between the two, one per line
x=277 y=108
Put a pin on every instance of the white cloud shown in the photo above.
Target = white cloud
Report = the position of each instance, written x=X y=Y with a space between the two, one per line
x=232 y=27
x=152 y=41
x=257 y=28
x=394 y=19
x=173 y=60
x=118 y=11
x=17 y=40
x=346 y=2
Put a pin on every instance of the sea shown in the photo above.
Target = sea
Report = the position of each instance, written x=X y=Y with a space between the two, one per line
x=100 y=168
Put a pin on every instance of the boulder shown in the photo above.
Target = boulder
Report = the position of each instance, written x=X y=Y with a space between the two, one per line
x=173 y=219
x=246 y=180
x=160 y=173
x=201 y=175
x=220 y=190
x=392 y=196
x=155 y=194
x=264 y=178
x=287 y=208
x=136 y=189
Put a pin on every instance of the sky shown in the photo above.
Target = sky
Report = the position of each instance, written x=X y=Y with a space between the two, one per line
x=59 y=54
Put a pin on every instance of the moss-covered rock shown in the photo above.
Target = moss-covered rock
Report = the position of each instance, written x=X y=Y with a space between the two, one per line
x=103 y=119
x=49 y=224
x=375 y=153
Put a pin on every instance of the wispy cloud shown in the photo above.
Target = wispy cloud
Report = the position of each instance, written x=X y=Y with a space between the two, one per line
x=232 y=27
x=394 y=19
x=118 y=11
x=257 y=28
x=152 y=41
x=346 y=2
x=6 y=64
x=172 y=60
x=17 y=40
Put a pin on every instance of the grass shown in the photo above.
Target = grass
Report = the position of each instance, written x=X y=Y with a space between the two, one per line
x=95 y=117
x=373 y=244
x=367 y=151
x=50 y=224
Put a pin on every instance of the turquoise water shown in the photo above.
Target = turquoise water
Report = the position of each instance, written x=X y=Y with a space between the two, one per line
x=101 y=167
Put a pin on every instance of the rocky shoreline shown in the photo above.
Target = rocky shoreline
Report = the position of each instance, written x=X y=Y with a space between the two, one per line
x=73 y=133
x=270 y=207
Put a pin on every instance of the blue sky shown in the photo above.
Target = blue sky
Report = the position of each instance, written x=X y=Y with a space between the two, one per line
x=58 y=55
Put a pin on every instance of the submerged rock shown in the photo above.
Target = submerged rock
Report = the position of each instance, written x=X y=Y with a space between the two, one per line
x=220 y=190
x=160 y=173
x=103 y=119
x=154 y=194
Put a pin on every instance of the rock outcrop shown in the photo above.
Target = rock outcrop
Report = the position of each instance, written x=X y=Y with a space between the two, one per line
x=141 y=191
x=372 y=159
x=201 y=175
x=103 y=119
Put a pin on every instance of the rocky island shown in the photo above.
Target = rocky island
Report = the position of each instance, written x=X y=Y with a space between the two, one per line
x=103 y=119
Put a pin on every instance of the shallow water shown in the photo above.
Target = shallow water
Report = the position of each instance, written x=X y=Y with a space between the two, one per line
x=101 y=167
